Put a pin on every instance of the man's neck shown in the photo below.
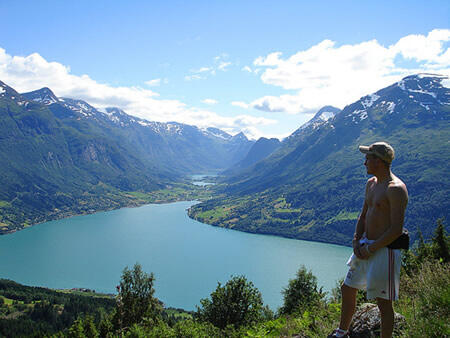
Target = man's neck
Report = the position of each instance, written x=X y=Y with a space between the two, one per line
x=383 y=176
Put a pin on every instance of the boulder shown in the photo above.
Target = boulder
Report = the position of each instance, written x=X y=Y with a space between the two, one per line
x=366 y=322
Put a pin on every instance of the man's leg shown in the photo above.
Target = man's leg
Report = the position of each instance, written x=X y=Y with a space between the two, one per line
x=387 y=317
x=348 y=306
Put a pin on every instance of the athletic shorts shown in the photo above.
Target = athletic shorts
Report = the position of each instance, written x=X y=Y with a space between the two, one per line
x=379 y=275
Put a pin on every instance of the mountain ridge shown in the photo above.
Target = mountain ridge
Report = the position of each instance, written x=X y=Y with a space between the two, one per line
x=62 y=156
x=312 y=186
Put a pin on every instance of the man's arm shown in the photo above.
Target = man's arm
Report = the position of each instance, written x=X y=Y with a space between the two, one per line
x=398 y=198
x=360 y=226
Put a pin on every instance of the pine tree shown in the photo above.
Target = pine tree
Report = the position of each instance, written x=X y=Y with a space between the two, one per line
x=440 y=242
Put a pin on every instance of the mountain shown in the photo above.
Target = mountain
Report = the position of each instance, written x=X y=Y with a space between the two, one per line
x=322 y=117
x=312 y=187
x=62 y=156
x=259 y=151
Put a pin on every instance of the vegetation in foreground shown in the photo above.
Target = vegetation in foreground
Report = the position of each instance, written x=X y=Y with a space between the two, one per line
x=235 y=309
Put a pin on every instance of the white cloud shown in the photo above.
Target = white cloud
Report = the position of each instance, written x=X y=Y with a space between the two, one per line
x=247 y=69
x=339 y=75
x=202 y=70
x=210 y=101
x=153 y=83
x=218 y=64
x=33 y=72
x=223 y=65
x=194 y=77
x=240 y=104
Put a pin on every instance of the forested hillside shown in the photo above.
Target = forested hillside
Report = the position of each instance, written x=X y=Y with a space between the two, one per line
x=313 y=186
x=62 y=157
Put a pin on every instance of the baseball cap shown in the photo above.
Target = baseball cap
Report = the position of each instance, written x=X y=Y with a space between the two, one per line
x=381 y=150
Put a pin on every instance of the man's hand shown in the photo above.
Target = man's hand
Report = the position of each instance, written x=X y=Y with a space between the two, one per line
x=364 y=251
x=357 y=249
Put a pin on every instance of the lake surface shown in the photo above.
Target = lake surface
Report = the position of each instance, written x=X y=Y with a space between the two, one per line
x=187 y=257
x=200 y=180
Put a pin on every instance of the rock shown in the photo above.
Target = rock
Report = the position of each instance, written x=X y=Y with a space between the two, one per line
x=366 y=322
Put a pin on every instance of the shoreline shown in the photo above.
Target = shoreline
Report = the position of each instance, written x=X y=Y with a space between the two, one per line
x=152 y=198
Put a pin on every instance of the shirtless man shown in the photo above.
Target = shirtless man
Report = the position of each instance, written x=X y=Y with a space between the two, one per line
x=372 y=265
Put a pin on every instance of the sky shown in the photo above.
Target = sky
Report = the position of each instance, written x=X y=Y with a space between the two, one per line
x=260 y=67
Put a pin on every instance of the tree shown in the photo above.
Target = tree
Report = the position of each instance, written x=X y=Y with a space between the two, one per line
x=302 y=293
x=135 y=300
x=440 y=242
x=236 y=303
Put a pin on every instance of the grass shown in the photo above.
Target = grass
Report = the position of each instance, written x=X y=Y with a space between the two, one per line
x=5 y=204
x=343 y=216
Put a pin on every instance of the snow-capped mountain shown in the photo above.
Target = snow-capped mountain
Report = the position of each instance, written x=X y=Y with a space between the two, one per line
x=172 y=145
x=321 y=172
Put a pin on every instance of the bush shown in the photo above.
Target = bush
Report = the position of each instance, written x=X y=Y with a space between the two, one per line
x=135 y=300
x=425 y=300
x=302 y=293
x=236 y=303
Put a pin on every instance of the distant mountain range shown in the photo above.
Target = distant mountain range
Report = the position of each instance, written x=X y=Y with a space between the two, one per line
x=259 y=151
x=312 y=186
x=61 y=155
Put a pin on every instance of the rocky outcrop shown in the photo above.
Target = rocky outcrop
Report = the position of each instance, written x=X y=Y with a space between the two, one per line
x=366 y=322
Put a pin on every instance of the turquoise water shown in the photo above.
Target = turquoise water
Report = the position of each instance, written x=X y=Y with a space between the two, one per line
x=188 y=258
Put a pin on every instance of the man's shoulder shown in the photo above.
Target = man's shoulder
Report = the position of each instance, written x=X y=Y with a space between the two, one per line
x=396 y=184
x=397 y=189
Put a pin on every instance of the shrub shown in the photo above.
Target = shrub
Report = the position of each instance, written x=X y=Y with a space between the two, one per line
x=302 y=293
x=135 y=300
x=236 y=303
x=425 y=300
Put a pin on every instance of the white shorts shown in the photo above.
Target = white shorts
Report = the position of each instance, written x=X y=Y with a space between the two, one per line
x=379 y=275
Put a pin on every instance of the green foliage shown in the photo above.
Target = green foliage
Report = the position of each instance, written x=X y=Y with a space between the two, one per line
x=302 y=293
x=77 y=329
x=441 y=243
x=236 y=303
x=83 y=328
x=321 y=174
x=135 y=301
x=425 y=300
x=336 y=294
x=437 y=249
x=40 y=311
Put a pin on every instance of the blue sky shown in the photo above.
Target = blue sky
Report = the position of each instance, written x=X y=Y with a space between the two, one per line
x=263 y=67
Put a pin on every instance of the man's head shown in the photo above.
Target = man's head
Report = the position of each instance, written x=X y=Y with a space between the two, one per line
x=378 y=150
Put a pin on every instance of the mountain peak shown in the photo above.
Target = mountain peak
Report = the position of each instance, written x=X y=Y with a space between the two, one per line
x=420 y=80
x=215 y=132
x=322 y=116
x=7 y=91
x=240 y=136
x=43 y=95
x=325 y=113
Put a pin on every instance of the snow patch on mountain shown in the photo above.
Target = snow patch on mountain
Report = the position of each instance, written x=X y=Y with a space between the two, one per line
x=426 y=75
x=389 y=107
x=215 y=133
x=401 y=84
x=446 y=83
x=370 y=100
x=358 y=115
x=144 y=123
x=326 y=115
x=174 y=128
x=47 y=100
x=323 y=116
x=421 y=91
